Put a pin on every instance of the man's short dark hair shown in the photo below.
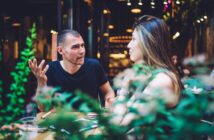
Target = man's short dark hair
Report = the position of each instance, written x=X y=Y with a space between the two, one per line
x=61 y=36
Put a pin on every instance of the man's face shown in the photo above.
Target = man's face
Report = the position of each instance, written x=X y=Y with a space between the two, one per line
x=73 y=50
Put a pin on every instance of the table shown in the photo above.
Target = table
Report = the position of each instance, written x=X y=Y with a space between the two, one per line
x=49 y=135
x=29 y=133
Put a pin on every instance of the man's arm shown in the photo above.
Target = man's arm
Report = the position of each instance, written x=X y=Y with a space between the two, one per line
x=108 y=93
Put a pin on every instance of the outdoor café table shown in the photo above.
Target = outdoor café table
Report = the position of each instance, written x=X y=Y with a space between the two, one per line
x=33 y=132
x=49 y=135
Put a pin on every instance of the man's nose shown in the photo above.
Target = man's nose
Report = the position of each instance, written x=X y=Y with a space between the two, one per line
x=82 y=50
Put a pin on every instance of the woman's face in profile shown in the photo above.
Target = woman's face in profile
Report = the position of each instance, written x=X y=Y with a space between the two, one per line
x=135 y=51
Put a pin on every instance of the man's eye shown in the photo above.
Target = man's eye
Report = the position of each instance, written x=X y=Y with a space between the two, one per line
x=75 y=46
x=83 y=45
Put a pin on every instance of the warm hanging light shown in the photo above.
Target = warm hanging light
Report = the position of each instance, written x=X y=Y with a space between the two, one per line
x=136 y=10
x=176 y=35
x=198 y=21
x=53 y=32
x=202 y=19
x=129 y=3
x=111 y=26
x=106 y=11
x=140 y=2
x=6 y=18
x=129 y=30
x=152 y=3
x=16 y=24
x=178 y=2
x=106 y=34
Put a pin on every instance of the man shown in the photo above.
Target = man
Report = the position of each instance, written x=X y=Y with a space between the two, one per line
x=74 y=71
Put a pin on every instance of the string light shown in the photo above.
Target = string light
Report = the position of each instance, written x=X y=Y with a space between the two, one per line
x=166 y=4
x=119 y=39
x=129 y=30
x=16 y=24
x=106 y=11
x=136 y=10
x=177 y=2
x=140 y=2
x=152 y=2
x=176 y=35
x=106 y=34
x=53 y=32
x=111 y=26
x=129 y=3
x=198 y=21
x=202 y=19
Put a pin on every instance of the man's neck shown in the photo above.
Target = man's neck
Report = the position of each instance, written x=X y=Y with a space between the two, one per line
x=70 y=67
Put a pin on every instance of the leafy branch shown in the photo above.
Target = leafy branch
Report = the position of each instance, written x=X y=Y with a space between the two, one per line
x=15 y=107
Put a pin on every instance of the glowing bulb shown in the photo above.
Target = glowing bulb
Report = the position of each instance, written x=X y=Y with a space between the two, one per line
x=176 y=35
x=135 y=10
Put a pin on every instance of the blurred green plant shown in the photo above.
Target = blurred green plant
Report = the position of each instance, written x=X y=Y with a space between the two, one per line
x=66 y=122
x=15 y=108
x=145 y=117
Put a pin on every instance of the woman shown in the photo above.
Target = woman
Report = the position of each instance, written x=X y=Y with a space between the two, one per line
x=150 y=45
x=152 y=73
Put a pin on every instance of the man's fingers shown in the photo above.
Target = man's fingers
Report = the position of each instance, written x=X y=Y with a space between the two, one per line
x=41 y=65
x=45 y=69
x=32 y=67
x=30 y=64
x=35 y=62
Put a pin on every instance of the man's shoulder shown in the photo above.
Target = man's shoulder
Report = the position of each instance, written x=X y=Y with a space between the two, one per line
x=53 y=63
x=56 y=62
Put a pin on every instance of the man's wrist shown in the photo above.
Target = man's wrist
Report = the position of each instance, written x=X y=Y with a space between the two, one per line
x=42 y=84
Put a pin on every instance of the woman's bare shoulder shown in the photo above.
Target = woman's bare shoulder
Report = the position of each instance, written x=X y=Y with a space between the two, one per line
x=163 y=79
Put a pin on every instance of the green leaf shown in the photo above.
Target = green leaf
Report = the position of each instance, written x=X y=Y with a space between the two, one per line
x=84 y=108
x=9 y=108
x=33 y=36
x=29 y=42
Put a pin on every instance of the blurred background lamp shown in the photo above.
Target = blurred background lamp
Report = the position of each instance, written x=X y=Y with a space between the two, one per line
x=140 y=2
x=176 y=35
x=129 y=30
x=136 y=10
x=111 y=26
x=16 y=24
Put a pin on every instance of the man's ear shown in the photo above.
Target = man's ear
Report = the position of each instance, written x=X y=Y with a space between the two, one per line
x=59 y=49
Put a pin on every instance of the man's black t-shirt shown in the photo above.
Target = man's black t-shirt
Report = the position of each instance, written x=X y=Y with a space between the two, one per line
x=88 y=78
